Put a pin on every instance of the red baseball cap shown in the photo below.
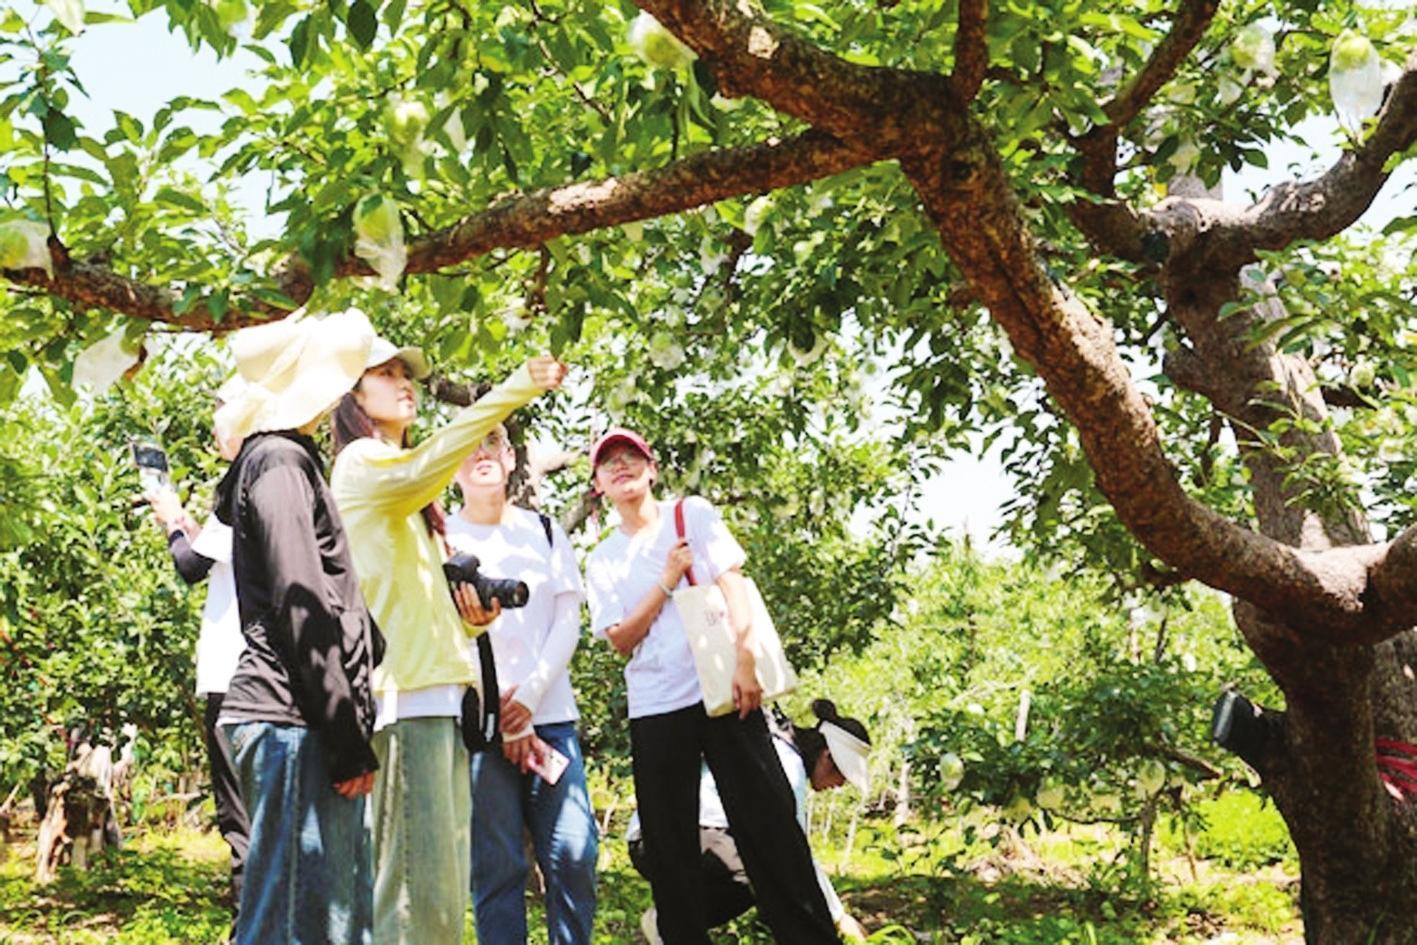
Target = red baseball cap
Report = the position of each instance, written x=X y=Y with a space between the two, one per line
x=618 y=435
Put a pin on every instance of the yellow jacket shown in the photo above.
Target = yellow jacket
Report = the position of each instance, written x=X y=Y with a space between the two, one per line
x=379 y=489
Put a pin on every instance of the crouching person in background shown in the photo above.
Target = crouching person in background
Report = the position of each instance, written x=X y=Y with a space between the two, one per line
x=299 y=712
x=823 y=757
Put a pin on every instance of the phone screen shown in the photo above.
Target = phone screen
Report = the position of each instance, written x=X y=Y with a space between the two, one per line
x=152 y=466
x=148 y=456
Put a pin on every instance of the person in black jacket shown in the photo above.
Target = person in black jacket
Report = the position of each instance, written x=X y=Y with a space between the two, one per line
x=299 y=711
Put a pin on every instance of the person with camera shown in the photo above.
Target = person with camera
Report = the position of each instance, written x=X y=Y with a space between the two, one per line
x=524 y=784
x=823 y=757
x=203 y=553
x=631 y=576
x=299 y=710
x=387 y=492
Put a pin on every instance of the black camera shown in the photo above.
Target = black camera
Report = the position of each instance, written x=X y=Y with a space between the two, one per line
x=461 y=568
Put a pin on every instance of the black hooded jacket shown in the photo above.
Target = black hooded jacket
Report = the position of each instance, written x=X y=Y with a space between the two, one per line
x=311 y=645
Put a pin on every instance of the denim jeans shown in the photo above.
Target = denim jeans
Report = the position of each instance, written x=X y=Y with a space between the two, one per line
x=563 y=833
x=420 y=833
x=308 y=874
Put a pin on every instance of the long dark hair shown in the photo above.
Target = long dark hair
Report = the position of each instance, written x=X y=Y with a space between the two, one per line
x=810 y=742
x=352 y=423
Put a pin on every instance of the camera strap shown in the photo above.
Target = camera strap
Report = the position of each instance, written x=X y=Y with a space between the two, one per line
x=489 y=706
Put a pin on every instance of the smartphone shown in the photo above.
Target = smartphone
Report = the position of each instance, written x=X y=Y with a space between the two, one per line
x=552 y=766
x=152 y=466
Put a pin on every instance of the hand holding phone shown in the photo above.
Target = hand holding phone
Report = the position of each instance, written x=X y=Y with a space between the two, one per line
x=550 y=764
x=153 y=470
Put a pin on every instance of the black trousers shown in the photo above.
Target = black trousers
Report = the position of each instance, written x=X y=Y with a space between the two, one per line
x=666 y=751
x=231 y=817
x=726 y=894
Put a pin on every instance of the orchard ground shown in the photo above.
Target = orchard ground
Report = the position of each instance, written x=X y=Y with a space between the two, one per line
x=1235 y=882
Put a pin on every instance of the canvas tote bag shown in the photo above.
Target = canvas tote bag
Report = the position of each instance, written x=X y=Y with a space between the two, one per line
x=704 y=612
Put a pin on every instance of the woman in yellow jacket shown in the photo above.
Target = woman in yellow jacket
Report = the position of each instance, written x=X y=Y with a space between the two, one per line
x=387 y=494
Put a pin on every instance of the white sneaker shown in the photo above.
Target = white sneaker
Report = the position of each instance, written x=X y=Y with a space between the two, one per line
x=649 y=927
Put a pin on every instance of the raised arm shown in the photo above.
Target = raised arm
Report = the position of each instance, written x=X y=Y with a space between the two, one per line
x=403 y=481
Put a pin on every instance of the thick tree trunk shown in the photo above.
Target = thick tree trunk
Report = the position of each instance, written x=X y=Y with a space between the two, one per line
x=1355 y=842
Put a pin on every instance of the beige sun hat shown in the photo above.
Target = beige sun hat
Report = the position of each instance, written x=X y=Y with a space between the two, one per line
x=383 y=350
x=295 y=369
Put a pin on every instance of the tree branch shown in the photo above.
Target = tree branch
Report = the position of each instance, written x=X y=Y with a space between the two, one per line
x=577 y=515
x=968 y=196
x=91 y=286
x=454 y=392
x=1321 y=208
x=521 y=221
x=1189 y=25
x=524 y=221
x=887 y=111
x=971 y=49
x=1110 y=225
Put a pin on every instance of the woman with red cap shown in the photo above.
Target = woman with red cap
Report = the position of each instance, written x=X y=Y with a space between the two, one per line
x=630 y=580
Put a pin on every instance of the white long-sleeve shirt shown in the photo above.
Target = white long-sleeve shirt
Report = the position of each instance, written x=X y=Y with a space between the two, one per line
x=532 y=645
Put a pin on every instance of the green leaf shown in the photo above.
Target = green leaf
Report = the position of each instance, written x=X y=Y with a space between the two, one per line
x=59 y=130
x=393 y=14
x=362 y=23
x=299 y=43
x=176 y=198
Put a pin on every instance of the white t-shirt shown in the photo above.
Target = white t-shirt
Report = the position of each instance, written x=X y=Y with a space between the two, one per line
x=532 y=645
x=624 y=568
x=220 y=643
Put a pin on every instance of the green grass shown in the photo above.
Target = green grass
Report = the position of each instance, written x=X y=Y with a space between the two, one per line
x=167 y=887
x=161 y=889
x=1244 y=831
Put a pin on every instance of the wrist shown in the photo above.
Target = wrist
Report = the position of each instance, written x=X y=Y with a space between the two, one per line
x=667 y=586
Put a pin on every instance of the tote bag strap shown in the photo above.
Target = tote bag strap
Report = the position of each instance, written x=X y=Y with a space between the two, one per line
x=679 y=529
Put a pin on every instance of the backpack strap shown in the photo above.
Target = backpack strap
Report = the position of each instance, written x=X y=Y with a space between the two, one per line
x=546 y=527
x=679 y=530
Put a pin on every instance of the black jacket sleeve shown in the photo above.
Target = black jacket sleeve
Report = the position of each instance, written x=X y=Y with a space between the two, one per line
x=310 y=633
x=191 y=566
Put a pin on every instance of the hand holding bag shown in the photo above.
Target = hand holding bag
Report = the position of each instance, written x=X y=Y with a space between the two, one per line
x=704 y=612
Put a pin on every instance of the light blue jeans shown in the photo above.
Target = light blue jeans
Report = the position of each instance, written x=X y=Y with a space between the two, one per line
x=308 y=868
x=420 y=818
x=563 y=833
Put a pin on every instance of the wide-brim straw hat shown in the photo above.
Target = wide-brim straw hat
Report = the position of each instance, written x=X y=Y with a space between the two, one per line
x=295 y=370
x=849 y=753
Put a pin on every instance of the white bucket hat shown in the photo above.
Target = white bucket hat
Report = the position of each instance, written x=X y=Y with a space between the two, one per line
x=295 y=369
x=231 y=389
x=383 y=350
x=849 y=754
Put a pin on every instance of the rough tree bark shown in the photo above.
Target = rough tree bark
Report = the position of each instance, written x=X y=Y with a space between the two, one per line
x=1339 y=655
x=1327 y=611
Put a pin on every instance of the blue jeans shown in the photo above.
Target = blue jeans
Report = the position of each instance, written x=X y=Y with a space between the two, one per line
x=563 y=832
x=308 y=867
